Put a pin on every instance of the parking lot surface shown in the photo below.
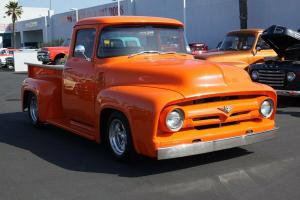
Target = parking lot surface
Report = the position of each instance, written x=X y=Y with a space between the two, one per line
x=50 y=163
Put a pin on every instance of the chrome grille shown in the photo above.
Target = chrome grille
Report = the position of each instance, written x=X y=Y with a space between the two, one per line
x=275 y=78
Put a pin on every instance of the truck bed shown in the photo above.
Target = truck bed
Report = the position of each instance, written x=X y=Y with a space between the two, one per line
x=40 y=71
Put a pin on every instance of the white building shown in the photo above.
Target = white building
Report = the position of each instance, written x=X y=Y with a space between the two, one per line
x=206 y=20
x=5 y=21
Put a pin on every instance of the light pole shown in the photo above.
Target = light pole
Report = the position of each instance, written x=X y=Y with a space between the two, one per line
x=119 y=7
x=76 y=13
x=184 y=12
x=50 y=2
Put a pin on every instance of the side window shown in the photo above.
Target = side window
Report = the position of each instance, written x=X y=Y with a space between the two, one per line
x=85 y=38
x=262 y=44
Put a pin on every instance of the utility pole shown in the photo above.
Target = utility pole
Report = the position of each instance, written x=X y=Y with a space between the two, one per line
x=243 y=14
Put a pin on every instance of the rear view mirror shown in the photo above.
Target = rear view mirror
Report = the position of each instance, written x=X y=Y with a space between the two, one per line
x=258 y=48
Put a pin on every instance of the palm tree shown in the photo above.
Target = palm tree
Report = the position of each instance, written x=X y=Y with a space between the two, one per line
x=243 y=13
x=15 y=11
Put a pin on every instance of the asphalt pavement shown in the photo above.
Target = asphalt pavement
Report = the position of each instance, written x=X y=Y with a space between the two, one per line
x=52 y=164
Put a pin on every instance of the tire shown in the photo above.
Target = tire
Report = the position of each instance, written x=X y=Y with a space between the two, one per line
x=118 y=137
x=33 y=110
x=59 y=61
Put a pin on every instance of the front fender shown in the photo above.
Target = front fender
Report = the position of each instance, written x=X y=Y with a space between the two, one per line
x=142 y=107
x=48 y=93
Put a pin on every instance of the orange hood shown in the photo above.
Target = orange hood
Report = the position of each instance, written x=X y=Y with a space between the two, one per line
x=188 y=77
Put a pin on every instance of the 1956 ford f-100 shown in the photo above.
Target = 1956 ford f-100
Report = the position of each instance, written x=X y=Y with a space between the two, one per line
x=129 y=81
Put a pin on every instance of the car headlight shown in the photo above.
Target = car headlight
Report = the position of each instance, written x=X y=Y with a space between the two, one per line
x=174 y=120
x=291 y=76
x=266 y=108
x=254 y=75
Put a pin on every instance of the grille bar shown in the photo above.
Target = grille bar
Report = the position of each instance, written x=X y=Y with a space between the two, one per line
x=274 y=78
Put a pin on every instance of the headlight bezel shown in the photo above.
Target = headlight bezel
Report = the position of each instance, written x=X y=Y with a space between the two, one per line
x=180 y=113
x=293 y=76
x=271 y=102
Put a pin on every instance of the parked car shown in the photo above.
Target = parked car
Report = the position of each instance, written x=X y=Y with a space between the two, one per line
x=282 y=73
x=54 y=55
x=4 y=54
x=198 y=48
x=243 y=47
x=144 y=100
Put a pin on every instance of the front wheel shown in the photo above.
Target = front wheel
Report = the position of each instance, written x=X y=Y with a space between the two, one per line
x=33 y=110
x=119 y=137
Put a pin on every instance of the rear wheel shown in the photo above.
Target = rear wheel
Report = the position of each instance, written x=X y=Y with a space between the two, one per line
x=33 y=110
x=118 y=137
x=59 y=61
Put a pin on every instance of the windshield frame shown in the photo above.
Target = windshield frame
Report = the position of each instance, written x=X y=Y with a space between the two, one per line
x=167 y=26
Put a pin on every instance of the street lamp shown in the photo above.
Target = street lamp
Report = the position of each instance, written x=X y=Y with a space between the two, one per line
x=76 y=13
x=119 y=7
x=50 y=2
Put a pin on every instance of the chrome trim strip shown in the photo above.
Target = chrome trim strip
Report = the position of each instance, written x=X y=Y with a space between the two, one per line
x=215 y=145
x=288 y=93
x=55 y=67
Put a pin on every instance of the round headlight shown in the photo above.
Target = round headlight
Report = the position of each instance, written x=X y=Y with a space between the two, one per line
x=254 y=75
x=291 y=76
x=266 y=108
x=174 y=120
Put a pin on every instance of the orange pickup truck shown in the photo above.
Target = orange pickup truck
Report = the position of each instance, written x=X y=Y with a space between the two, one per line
x=130 y=82
x=241 y=48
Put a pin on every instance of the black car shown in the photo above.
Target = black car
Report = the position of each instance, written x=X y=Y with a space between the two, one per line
x=281 y=73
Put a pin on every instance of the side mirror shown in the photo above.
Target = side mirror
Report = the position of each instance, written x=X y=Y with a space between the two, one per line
x=80 y=50
x=258 y=48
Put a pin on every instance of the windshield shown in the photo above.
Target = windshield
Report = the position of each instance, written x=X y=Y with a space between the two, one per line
x=238 y=42
x=128 y=40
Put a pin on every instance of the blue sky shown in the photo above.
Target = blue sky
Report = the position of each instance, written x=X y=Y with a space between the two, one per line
x=62 y=5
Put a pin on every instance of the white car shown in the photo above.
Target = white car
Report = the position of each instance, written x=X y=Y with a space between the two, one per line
x=4 y=54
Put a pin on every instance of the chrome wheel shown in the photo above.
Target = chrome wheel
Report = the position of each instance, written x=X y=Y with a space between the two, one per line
x=117 y=137
x=33 y=110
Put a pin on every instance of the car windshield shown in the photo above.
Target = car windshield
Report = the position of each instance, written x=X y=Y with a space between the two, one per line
x=135 y=40
x=237 y=42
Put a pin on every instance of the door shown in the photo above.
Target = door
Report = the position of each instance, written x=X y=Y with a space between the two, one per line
x=79 y=81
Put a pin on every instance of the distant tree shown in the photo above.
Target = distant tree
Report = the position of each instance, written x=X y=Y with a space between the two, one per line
x=14 y=10
x=243 y=13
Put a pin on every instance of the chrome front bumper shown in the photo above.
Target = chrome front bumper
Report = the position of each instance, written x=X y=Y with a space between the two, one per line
x=215 y=145
x=289 y=93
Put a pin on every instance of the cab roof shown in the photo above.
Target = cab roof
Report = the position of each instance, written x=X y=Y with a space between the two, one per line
x=115 y=20
x=250 y=30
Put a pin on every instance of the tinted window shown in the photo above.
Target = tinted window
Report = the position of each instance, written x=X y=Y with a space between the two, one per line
x=126 y=40
x=86 y=38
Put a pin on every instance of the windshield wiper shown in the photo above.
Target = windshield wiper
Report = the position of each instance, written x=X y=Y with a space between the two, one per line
x=143 y=52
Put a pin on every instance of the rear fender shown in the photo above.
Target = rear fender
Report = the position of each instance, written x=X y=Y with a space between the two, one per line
x=48 y=93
